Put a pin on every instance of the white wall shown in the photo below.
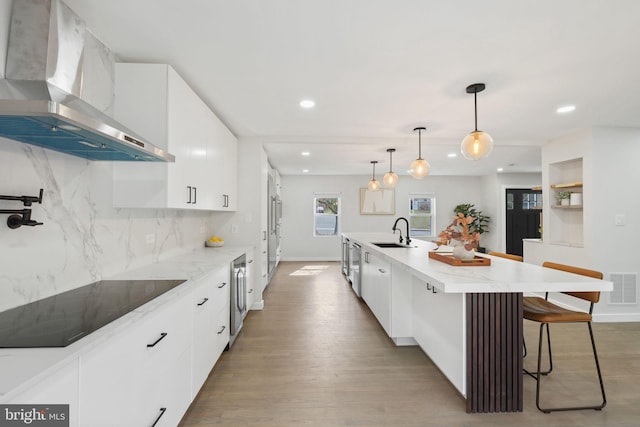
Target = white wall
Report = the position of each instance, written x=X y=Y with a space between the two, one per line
x=610 y=174
x=298 y=193
x=493 y=190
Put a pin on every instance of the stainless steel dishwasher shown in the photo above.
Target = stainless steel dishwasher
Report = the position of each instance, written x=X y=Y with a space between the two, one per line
x=238 y=298
x=355 y=264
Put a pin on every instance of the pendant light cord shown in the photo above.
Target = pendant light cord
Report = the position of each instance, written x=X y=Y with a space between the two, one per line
x=420 y=144
x=475 y=104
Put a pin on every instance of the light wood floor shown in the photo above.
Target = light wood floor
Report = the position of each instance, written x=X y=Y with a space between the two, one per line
x=316 y=356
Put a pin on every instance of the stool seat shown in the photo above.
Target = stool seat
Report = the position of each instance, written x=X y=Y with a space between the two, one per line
x=541 y=310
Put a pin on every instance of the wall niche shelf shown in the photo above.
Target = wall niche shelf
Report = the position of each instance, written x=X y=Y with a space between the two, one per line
x=565 y=223
x=576 y=184
x=566 y=206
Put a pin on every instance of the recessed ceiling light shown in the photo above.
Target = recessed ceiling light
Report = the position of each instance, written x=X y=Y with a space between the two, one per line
x=305 y=153
x=500 y=169
x=565 y=109
x=307 y=103
x=305 y=170
x=452 y=155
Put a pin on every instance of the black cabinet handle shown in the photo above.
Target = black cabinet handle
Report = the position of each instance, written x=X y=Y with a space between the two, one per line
x=189 y=191
x=195 y=195
x=203 y=302
x=162 y=411
x=162 y=336
x=222 y=285
x=428 y=286
x=250 y=261
x=250 y=290
x=222 y=330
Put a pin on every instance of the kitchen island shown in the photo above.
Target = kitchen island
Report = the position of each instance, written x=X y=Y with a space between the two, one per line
x=468 y=320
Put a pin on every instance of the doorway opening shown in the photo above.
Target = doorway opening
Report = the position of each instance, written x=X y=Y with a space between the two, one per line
x=523 y=217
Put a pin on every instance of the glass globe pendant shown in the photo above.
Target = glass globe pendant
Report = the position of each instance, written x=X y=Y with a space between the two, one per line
x=477 y=144
x=419 y=167
x=390 y=178
x=374 y=185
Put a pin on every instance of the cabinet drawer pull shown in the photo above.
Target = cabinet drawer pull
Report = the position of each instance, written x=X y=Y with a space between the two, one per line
x=162 y=336
x=203 y=302
x=250 y=290
x=250 y=261
x=222 y=285
x=189 y=193
x=162 y=411
x=428 y=286
x=382 y=270
x=222 y=330
x=434 y=290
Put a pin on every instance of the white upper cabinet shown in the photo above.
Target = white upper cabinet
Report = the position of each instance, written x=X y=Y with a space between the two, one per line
x=154 y=102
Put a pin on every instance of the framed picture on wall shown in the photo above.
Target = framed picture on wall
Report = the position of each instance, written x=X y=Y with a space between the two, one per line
x=381 y=202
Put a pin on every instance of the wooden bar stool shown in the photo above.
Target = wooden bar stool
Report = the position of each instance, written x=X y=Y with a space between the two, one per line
x=508 y=256
x=544 y=312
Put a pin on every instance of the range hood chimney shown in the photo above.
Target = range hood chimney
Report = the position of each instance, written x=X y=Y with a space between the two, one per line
x=59 y=90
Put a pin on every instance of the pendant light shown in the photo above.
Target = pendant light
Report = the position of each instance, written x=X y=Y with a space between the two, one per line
x=419 y=167
x=390 y=178
x=477 y=144
x=374 y=185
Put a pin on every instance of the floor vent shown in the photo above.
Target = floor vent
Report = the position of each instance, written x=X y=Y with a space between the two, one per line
x=625 y=288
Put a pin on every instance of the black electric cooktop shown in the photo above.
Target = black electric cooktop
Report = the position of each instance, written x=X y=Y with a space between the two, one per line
x=61 y=319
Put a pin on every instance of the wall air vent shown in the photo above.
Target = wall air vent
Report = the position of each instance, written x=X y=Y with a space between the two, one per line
x=625 y=288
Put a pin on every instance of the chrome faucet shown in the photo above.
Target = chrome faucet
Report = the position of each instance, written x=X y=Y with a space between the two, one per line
x=395 y=224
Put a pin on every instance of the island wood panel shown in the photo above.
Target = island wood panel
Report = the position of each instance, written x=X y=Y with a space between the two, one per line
x=494 y=352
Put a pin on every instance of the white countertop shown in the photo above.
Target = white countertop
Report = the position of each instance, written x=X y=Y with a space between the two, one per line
x=21 y=368
x=503 y=275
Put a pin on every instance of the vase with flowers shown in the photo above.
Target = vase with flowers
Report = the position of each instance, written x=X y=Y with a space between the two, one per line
x=457 y=235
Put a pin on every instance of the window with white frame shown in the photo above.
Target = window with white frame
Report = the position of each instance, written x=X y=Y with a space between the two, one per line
x=326 y=215
x=422 y=214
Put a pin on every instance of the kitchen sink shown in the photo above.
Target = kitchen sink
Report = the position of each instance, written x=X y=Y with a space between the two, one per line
x=390 y=245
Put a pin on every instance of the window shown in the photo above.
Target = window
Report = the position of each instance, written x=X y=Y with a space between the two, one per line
x=422 y=215
x=326 y=216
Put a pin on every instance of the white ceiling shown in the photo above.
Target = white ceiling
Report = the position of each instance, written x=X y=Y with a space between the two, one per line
x=379 y=68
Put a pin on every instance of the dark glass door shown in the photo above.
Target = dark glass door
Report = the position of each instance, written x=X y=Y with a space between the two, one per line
x=524 y=208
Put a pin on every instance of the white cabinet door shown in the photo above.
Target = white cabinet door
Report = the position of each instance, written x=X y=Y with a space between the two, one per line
x=130 y=371
x=376 y=288
x=438 y=327
x=254 y=294
x=210 y=298
x=155 y=102
x=59 y=388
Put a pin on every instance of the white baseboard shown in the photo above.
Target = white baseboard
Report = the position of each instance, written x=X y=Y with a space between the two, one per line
x=404 y=341
x=616 y=317
x=259 y=305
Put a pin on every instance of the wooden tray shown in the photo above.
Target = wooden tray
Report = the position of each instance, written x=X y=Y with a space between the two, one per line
x=457 y=262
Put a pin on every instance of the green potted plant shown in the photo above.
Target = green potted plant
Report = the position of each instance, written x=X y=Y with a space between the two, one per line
x=480 y=223
x=563 y=197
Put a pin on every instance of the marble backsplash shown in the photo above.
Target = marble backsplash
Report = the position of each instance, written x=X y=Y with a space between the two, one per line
x=83 y=237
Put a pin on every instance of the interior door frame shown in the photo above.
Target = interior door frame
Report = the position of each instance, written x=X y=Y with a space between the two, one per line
x=502 y=217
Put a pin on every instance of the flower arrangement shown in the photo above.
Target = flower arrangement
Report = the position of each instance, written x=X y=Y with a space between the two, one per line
x=458 y=230
x=562 y=195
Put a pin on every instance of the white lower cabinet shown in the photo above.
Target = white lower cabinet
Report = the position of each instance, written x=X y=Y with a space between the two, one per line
x=142 y=375
x=210 y=305
x=376 y=288
x=438 y=327
x=59 y=388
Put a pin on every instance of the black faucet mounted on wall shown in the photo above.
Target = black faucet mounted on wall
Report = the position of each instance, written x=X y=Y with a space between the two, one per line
x=20 y=217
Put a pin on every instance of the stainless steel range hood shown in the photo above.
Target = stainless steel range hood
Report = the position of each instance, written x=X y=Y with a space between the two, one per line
x=59 y=91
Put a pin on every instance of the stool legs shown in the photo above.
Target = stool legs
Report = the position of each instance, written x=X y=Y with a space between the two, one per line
x=539 y=373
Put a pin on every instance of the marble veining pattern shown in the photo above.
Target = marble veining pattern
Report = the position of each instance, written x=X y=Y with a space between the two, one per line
x=83 y=238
